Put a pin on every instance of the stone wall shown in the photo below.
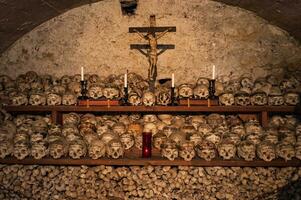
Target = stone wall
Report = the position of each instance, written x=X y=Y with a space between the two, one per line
x=96 y=37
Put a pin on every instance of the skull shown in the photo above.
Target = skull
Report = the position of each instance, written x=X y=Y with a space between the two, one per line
x=169 y=150
x=188 y=129
x=77 y=149
x=214 y=138
x=95 y=92
x=135 y=99
x=148 y=98
x=163 y=97
x=246 y=82
x=298 y=150
x=94 y=78
x=206 y=150
x=57 y=89
x=242 y=98
x=75 y=88
x=232 y=137
x=195 y=138
x=187 y=151
x=266 y=151
x=275 y=97
x=285 y=151
x=54 y=99
x=226 y=150
x=219 y=88
x=6 y=148
x=58 y=148
x=204 y=129
x=135 y=129
x=178 y=137
x=138 y=141
x=166 y=118
x=253 y=127
x=259 y=98
x=97 y=149
x=108 y=136
x=254 y=138
x=201 y=92
x=239 y=130
x=71 y=118
x=119 y=128
x=150 y=118
x=38 y=150
x=233 y=120
x=37 y=99
x=271 y=136
x=215 y=120
x=276 y=121
x=227 y=99
x=19 y=99
x=185 y=91
x=111 y=92
x=101 y=129
x=159 y=139
x=169 y=130
x=31 y=76
x=127 y=140
x=202 y=81
x=65 y=80
x=197 y=120
x=246 y=150
x=291 y=98
x=23 y=87
x=69 y=99
x=21 y=150
x=115 y=149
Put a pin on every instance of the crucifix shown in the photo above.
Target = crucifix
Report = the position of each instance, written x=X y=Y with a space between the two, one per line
x=153 y=33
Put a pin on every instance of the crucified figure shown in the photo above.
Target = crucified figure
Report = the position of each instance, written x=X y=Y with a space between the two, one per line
x=152 y=54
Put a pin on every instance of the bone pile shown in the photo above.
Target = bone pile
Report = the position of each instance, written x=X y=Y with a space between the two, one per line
x=33 y=89
x=149 y=182
x=175 y=136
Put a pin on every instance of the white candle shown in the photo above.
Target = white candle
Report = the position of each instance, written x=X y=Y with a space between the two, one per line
x=213 y=72
x=82 y=73
x=125 y=80
x=173 y=80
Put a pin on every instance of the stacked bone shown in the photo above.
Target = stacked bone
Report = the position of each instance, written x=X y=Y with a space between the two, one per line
x=33 y=89
x=207 y=136
x=149 y=182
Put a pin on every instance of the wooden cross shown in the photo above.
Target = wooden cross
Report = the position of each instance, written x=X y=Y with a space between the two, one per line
x=153 y=33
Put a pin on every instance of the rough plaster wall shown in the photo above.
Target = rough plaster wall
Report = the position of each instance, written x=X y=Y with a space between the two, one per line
x=96 y=37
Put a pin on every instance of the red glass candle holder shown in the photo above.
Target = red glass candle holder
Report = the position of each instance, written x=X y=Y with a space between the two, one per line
x=146 y=144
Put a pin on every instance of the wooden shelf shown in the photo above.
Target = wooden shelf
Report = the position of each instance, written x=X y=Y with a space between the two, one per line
x=153 y=161
x=156 y=109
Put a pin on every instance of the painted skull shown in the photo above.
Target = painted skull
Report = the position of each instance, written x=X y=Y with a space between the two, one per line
x=159 y=139
x=127 y=140
x=69 y=99
x=39 y=150
x=163 y=97
x=21 y=150
x=95 y=92
x=19 y=99
x=266 y=151
x=226 y=150
x=135 y=99
x=54 y=99
x=275 y=97
x=148 y=98
x=227 y=99
x=206 y=150
x=291 y=98
x=187 y=151
x=201 y=92
x=169 y=150
x=97 y=149
x=246 y=150
x=58 y=148
x=285 y=151
x=111 y=92
x=259 y=98
x=71 y=118
x=37 y=99
x=115 y=149
x=185 y=91
x=77 y=149
x=242 y=98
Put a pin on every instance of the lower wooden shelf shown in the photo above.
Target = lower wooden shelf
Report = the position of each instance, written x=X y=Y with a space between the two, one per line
x=153 y=161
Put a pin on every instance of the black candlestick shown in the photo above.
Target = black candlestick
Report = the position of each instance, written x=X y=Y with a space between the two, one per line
x=172 y=96
x=84 y=90
x=212 y=89
x=125 y=99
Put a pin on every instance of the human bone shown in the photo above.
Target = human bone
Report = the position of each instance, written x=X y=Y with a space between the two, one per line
x=119 y=128
x=169 y=150
x=74 y=88
x=111 y=92
x=298 y=150
x=135 y=129
x=206 y=150
x=195 y=138
x=226 y=149
x=239 y=130
x=253 y=127
x=115 y=149
x=185 y=91
x=227 y=99
x=6 y=148
x=169 y=130
x=205 y=129
x=127 y=140
x=201 y=92
x=202 y=81
x=215 y=119
x=19 y=99
x=69 y=98
x=246 y=150
x=134 y=99
x=149 y=118
x=97 y=149
x=108 y=136
x=285 y=150
x=246 y=82
x=159 y=139
x=259 y=98
x=150 y=128
x=271 y=136
x=178 y=137
x=95 y=92
x=242 y=98
x=53 y=99
x=58 y=148
x=71 y=118
x=275 y=97
x=57 y=89
x=186 y=151
x=21 y=150
x=163 y=97
x=166 y=118
x=77 y=149
x=39 y=150
x=197 y=120
x=266 y=151
x=291 y=98
x=148 y=98
x=37 y=99
x=233 y=137
x=213 y=137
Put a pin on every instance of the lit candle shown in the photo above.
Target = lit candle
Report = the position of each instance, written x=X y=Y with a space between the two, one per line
x=146 y=144
x=173 y=80
x=213 y=72
x=125 y=80
x=82 y=73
